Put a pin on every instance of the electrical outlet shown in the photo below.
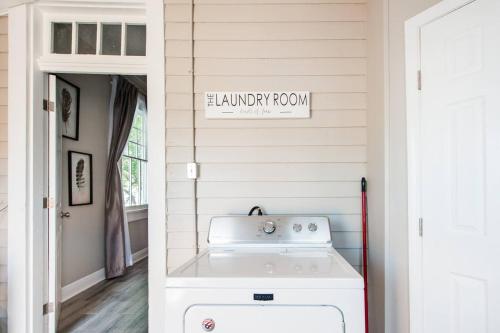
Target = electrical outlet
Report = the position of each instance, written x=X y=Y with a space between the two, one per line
x=192 y=170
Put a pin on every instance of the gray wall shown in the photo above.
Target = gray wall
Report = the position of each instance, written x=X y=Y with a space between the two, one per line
x=83 y=232
x=376 y=163
x=138 y=235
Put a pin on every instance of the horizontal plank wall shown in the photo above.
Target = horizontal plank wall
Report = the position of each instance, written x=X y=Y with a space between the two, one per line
x=299 y=166
x=3 y=173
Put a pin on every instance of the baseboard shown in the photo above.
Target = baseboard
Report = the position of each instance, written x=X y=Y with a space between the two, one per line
x=139 y=255
x=90 y=280
x=74 y=288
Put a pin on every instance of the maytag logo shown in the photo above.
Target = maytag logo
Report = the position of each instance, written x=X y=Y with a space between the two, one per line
x=263 y=297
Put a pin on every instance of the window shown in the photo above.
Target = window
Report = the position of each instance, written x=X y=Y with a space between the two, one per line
x=87 y=37
x=111 y=39
x=99 y=38
x=134 y=160
x=136 y=40
x=62 y=38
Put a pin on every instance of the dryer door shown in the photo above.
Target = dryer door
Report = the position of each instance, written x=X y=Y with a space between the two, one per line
x=263 y=319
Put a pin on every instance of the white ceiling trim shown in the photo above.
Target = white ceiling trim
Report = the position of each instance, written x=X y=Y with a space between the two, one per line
x=6 y=4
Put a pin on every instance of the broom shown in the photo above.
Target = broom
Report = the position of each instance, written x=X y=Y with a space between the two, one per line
x=365 y=257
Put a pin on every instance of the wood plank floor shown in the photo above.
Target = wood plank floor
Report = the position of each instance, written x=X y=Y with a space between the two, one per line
x=119 y=305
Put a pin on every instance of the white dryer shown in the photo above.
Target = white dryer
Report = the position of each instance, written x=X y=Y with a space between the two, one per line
x=266 y=274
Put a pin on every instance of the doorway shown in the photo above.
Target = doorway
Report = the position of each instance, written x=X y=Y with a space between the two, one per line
x=30 y=24
x=97 y=233
x=454 y=130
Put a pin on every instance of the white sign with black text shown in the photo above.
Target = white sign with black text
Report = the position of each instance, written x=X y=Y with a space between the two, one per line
x=257 y=104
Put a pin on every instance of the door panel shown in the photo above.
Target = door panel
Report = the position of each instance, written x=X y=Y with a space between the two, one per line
x=46 y=195
x=54 y=181
x=264 y=319
x=460 y=169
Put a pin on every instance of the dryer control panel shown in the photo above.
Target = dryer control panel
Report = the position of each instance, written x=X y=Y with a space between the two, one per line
x=270 y=230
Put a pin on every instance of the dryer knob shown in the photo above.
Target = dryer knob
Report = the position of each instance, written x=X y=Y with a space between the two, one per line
x=269 y=227
x=313 y=227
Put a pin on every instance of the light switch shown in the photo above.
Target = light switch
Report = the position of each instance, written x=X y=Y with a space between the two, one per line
x=192 y=170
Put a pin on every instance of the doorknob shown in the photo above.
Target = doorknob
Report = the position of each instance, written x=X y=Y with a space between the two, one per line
x=65 y=214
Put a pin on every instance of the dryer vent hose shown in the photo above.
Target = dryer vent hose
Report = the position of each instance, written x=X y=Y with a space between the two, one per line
x=255 y=208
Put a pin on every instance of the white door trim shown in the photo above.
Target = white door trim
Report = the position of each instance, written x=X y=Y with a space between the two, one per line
x=157 y=188
x=25 y=269
x=412 y=38
x=20 y=248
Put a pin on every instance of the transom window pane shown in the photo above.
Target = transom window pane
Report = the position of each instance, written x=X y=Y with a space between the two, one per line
x=87 y=38
x=136 y=40
x=62 y=34
x=111 y=39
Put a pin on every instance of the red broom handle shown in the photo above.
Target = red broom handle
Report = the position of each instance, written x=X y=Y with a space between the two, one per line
x=365 y=242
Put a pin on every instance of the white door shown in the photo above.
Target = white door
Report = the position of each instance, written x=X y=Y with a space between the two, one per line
x=54 y=218
x=460 y=170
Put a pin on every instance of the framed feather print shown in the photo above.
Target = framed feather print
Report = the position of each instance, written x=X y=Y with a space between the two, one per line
x=80 y=178
x=68 y=106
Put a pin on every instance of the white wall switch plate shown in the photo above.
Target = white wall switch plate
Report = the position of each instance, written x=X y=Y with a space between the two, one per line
x=192 y=170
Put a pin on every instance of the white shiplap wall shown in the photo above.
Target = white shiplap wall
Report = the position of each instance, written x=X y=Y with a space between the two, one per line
x=303 y=166
x=3 y=171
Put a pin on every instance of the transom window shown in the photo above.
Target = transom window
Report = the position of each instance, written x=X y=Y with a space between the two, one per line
x=134 y=160
x=103 y=38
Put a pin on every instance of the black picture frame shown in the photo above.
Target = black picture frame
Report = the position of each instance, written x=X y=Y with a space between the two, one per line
x=77 y=200
x=76 y=116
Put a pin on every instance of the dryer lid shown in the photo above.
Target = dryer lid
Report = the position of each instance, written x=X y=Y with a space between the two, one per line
x=250 y=267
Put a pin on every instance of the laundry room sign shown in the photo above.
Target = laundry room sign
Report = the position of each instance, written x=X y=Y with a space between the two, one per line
x=257 y=104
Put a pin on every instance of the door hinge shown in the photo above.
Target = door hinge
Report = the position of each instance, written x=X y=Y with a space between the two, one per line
x=419 y=79
x=48 y=308
x=420 y=227
x=48 y=202
x=48 y=106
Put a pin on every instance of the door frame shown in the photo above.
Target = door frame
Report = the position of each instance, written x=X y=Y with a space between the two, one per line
x=25 y=214
x=413 y=107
